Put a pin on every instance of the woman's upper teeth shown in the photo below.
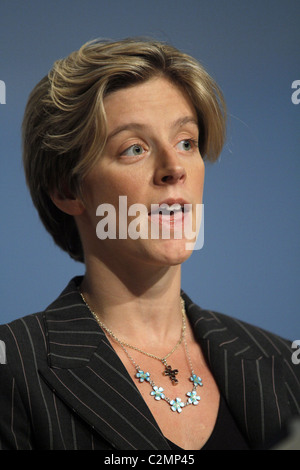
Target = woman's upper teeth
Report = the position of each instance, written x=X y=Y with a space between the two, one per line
x=172 y=208
x=166 y=209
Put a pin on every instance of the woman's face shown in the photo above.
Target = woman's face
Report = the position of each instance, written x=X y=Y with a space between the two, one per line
x=151 y=157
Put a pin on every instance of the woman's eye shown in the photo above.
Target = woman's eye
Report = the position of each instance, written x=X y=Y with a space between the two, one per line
x=187 y=145
x=133 y=151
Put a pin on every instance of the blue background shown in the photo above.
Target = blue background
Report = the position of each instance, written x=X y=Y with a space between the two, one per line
x=249 y=265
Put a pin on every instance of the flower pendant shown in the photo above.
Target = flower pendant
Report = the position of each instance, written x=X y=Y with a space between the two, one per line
x=158 y=393
x=141 y=375
x=177 y=405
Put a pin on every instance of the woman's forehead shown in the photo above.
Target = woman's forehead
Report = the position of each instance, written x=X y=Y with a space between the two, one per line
x=154 y=99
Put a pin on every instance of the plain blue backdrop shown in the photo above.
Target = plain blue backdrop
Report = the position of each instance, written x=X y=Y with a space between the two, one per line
x=249 y=265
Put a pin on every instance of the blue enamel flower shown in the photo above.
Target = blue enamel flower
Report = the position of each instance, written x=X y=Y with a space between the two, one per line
x=177 y=405
x=193 y=397
x=141 y=375
x=158 y=393
x=196 y=380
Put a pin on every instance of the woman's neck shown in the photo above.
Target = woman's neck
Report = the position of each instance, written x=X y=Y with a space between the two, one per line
x=141 y=305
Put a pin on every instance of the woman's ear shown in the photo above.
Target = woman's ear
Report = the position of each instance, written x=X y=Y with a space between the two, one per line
x=67 y=203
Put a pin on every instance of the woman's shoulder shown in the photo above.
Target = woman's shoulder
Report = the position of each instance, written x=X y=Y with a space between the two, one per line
x=21 y=324
x=24 y=334
x=29 y=339
x=35 y=324
x=220 y=325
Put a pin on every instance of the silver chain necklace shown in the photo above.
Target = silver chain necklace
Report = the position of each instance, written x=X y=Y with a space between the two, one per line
x=158 y=392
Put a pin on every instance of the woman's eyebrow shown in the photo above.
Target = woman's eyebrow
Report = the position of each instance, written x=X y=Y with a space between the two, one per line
x=139 y=126
x=184 y=120
x=126 y=127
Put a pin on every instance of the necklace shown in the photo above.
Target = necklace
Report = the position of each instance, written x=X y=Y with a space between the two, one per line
x=158 y=392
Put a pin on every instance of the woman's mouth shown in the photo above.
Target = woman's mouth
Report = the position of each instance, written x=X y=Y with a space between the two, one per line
x=170 y=216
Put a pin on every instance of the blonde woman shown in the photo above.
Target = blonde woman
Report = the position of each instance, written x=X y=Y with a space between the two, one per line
x=123 y=359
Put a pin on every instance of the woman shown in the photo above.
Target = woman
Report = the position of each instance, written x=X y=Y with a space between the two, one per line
x=123 y=359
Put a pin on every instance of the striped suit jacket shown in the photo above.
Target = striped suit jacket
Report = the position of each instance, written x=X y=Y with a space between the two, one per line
x=63 y=387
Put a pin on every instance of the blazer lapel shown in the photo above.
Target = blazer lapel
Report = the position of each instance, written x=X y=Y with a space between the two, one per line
x=249 y=378
x=88 y=376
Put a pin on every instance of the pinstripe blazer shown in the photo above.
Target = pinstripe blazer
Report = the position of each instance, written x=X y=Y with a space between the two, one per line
x=63 y=386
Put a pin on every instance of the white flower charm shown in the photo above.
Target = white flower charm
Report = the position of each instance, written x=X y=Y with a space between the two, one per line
x=158 y=393
x=141 y=375
x=177 y=405
x=196 y=380
x=193 y=397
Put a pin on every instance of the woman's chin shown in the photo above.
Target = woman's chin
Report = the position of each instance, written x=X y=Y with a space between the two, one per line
x=171 y=252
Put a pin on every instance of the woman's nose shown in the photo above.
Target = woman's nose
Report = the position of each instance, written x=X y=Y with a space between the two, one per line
x=170 y=169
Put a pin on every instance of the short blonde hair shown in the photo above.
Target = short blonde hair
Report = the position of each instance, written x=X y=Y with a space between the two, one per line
x=64 y=126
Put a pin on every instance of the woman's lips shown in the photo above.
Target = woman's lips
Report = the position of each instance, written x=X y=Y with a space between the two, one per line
x=171 y=216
